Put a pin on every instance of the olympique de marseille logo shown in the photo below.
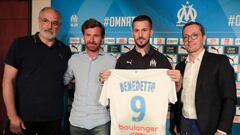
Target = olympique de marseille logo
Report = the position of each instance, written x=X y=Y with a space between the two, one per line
x=74 y=20
x=186 y=14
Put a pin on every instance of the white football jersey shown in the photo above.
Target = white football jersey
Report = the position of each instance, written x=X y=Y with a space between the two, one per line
x=138 y=101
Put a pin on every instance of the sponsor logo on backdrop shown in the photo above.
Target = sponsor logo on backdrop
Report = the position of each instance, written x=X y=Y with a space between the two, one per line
x=186 y=14
x=231 y=49
x=74 y=40
x=110 y=41
x=172 y=41
x=131 y=41
x=74 y=48
x=74 y=44
x=121 y=41
x=126 y=48
x=213 y=41
x=227 y=41
x=236 y=119
x=74 y=20
x=159 y=41
x=233 y=59
x=170 y=49
x=215 y=49
x=114 y=48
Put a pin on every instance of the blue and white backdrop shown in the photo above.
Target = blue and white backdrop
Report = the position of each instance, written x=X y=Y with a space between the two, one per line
x=221 y=19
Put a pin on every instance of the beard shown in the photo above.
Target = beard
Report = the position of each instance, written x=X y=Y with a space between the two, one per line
x=92 y=46
x=142 y=45
x=48 y=34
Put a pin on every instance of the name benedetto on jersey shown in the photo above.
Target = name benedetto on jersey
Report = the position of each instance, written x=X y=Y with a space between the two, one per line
x=138 y=101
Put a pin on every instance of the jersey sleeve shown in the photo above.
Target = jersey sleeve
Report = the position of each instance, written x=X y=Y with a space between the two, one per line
x=104 y=94
x=172 y=97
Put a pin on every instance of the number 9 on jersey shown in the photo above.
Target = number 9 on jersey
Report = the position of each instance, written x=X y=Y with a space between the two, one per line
x=138 y=106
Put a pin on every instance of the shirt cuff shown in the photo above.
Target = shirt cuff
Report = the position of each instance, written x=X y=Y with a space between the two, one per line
x=224 y=133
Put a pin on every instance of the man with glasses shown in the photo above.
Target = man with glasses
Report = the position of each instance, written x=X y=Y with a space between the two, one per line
x=206 y=101
x=33 y=79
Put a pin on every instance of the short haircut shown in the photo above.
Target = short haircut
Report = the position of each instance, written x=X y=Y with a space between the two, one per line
x=50 y=8
x=92 y=23
x=143 y=18
x=194 y=23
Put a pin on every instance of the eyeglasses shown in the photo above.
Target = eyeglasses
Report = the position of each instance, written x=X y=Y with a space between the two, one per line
x=192 y=37
x=46 y=21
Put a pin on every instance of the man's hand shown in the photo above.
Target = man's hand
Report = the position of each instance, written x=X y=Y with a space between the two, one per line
x=16 y=125
x=104 y=75
x=175 y=75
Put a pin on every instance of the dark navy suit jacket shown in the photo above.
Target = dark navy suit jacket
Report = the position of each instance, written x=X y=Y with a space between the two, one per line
x=215 y=96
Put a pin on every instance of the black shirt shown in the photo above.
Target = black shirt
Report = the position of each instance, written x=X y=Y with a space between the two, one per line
x=39 y=82
x=134 y=60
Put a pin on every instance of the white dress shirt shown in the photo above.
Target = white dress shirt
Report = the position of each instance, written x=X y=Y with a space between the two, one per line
x=189 y=86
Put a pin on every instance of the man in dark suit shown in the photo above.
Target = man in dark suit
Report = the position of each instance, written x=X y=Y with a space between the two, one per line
x=206 y=101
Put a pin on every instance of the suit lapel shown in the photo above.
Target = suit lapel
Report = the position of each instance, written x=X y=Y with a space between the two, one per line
x=201 y=73
x=181 y=66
